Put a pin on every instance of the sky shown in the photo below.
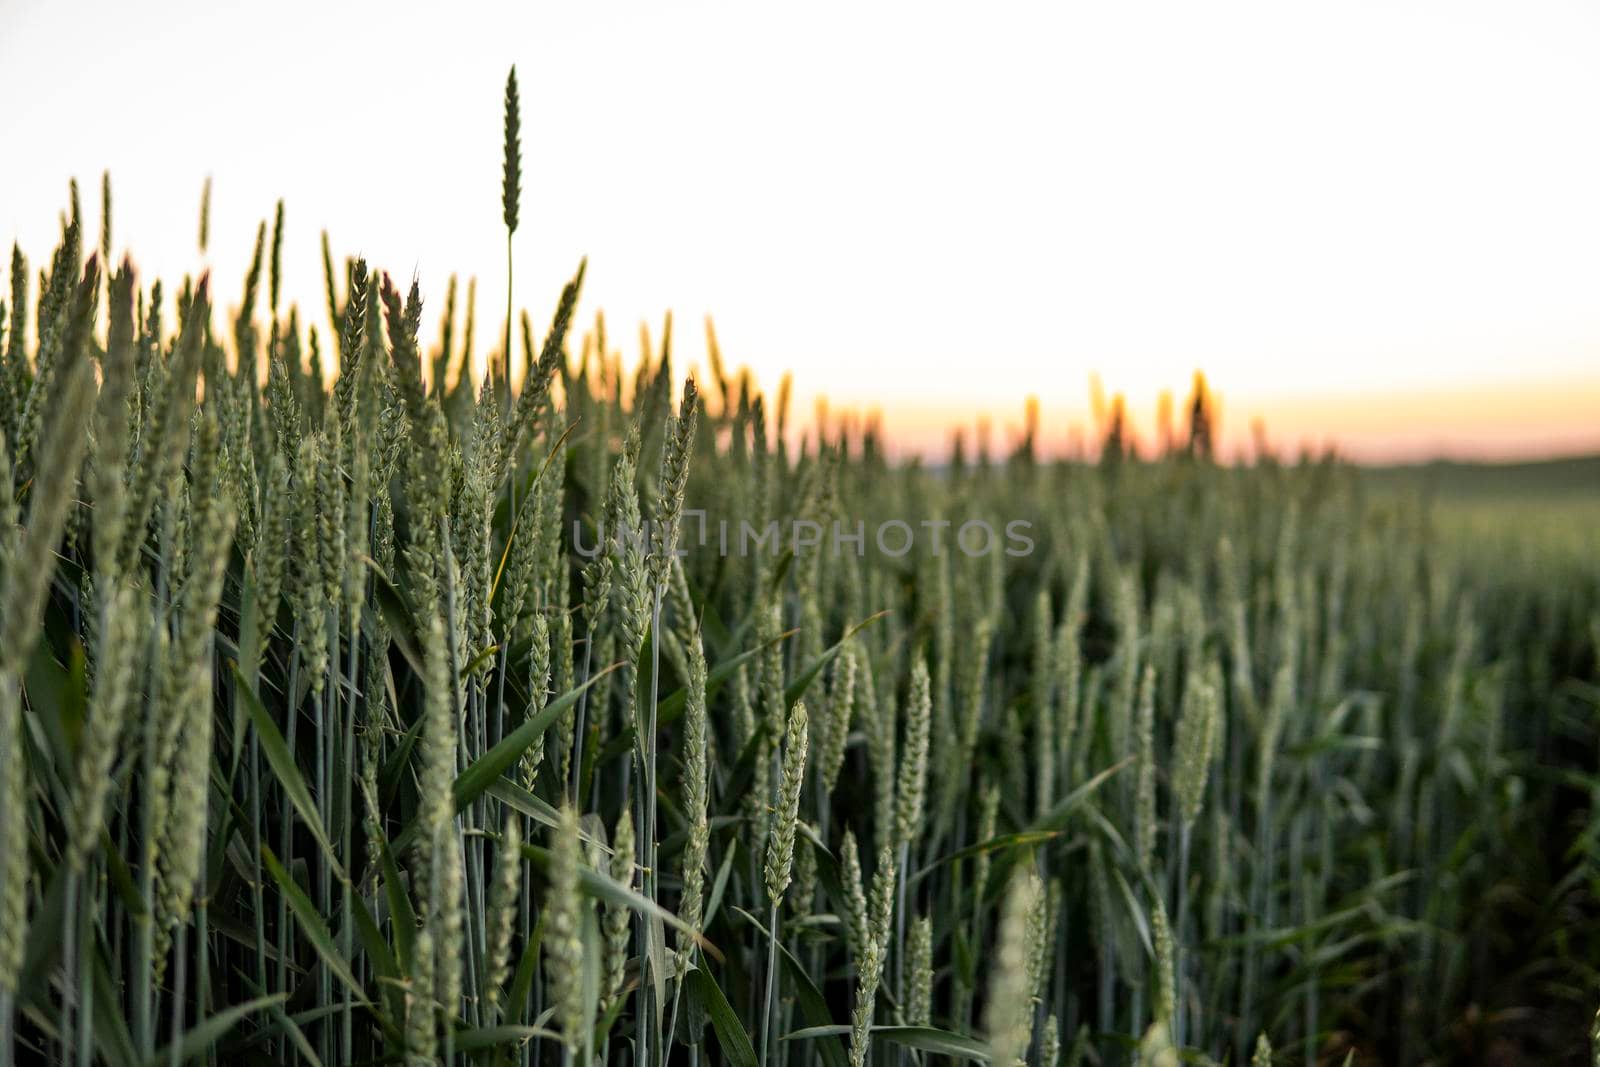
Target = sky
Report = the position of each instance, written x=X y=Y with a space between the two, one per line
x=1373 y=225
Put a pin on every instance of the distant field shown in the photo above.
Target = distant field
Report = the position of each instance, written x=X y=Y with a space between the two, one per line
x=1574 y=477
x=1509 y=509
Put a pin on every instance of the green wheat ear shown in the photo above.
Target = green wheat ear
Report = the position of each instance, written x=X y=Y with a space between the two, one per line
x=205 y=214
x=275 y=271
x=511 y=193
x=105 y=221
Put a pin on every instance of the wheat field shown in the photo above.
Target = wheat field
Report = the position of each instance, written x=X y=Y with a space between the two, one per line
x=356 y=711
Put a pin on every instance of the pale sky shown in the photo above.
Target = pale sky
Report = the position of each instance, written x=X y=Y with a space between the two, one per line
x=1375 y=223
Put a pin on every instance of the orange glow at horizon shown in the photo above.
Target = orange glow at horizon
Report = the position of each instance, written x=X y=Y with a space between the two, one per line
x=1505 y=421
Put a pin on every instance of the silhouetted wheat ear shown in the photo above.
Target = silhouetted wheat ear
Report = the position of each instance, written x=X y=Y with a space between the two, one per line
x=205 y=214
x=511 y=192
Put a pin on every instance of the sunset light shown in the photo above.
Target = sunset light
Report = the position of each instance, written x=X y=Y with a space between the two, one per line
x=1335 y=211
x=875 y=534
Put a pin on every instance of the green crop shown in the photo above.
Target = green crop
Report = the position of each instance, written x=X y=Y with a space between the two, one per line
x=372 y=714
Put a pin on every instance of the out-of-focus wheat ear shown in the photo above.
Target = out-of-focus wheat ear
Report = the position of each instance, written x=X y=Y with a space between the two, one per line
x=674 y=484
x=855 y=895
x=439 y=736
x=10 y=512
x=185 y=829
x=803 y=899
x=1050 y=1042
x=275 y=270
x=1262 y=1056
x=511 y=189
x=1145 y=801
x=187 y=741
x=307 y=583
x=971 y=697
x=719 y=372
x=695 y=797
x=1195 y=741
x=912 y=785
x=270 y=555
x=869 y=963
x=536 y=387
x=168 y=432
x=422 y=1032
x=352 y=328
x=841 y=704
x=1166 y=1003
x=503 y=909
x=331 y=287
x=538 y=694
x=120 y=641
x=283 y=407
x=244 y=330
x=113 y=424
x=880 y=727
x=1043 y=691
x=880 y=905
x=1068 y=661
x=664 y=368
x=463 y=365
x=563 y=937
x=316 y=374
x=449 y=917
x=785 y=392
x=286 y=351
x=1125 y=602
x=13 y=842
x=780 y=844
x=405 y=342
x=919 y=1001
x=1156 y=1047
x=441 y=359
x=1008 y=1016
x=1041 y=940
x=357 y=518
x=105 y=218
x=615 y=922
x=15 y=372
x=205 y=215
x=352 y=340
x=55 y=479
x=518 y=566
